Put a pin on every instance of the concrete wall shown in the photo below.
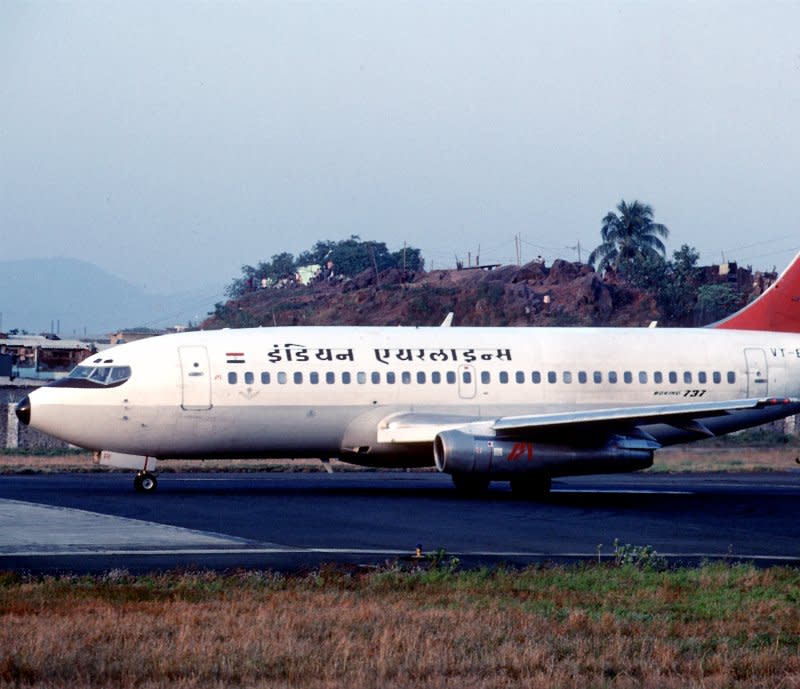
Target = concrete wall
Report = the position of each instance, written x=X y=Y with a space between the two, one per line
x=13 y=434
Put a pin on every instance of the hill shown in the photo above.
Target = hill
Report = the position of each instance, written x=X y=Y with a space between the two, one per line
x=564 y=294
x=84 y=298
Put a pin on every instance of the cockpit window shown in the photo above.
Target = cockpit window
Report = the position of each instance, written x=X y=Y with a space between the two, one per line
x=94 y=377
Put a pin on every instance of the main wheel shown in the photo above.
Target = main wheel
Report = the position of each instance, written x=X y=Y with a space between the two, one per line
x=531 y=487
x=145 y=482
x=471 y=485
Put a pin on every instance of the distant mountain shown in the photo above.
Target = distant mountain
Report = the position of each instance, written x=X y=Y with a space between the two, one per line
x=80 y=297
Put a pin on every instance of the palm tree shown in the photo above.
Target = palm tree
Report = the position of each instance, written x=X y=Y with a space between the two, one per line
x=628 y=235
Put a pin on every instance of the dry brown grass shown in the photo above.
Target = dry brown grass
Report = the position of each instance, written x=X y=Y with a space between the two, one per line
x=599 y=626
x=683 y=458
x=688 y=458
x=19 y=463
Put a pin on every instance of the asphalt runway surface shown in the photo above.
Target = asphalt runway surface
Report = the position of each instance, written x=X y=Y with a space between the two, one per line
x=294 y=522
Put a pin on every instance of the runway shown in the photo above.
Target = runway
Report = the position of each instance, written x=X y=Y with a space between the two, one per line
x=292 y=522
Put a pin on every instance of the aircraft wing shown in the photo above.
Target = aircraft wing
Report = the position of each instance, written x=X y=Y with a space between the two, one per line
x=413 y=427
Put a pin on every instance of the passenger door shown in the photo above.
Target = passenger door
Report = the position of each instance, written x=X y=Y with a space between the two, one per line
x=195 y=378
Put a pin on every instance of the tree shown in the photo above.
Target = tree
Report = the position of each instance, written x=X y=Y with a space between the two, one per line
x=280 y=266
x=673 y=283
x=628 y=235
x=354 y=255
x=714 y=302
x=349 y=256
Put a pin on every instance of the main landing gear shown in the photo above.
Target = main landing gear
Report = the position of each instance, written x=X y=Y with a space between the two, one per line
x=145 y=482
x=531 y=487
x=470 y=485
x=526 y=487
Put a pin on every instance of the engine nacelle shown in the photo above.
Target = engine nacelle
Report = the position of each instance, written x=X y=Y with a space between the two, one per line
x=456 y=452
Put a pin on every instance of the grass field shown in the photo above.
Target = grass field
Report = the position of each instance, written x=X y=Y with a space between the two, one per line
x=591 y=626
x=682 y=458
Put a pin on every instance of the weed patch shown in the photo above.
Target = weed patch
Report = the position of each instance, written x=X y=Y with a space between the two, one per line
x=425 y=625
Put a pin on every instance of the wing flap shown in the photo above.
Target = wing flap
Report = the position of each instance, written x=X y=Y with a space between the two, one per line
x=414 y=427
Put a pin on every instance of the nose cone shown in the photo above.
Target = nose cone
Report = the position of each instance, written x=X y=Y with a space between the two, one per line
x=23 y=410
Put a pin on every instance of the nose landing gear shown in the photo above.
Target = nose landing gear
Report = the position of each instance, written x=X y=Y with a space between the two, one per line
x=145 y=482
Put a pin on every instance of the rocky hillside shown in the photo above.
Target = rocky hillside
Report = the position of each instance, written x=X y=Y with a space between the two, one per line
x=562 y=294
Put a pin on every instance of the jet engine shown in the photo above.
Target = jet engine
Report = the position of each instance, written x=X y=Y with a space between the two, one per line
x=457 y=452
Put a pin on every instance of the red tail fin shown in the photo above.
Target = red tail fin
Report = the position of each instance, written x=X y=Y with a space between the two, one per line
x=777 y=310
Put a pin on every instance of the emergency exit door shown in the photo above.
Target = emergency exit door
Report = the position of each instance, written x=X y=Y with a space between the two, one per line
x=757 y=372
x=467 y=385
x=195 y=378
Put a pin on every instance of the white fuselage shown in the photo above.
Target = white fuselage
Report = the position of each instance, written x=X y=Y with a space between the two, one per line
x=332 y=391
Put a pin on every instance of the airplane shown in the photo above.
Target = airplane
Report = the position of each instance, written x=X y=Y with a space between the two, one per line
x=522 y=405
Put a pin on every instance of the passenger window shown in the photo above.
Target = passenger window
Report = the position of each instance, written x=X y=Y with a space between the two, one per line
x=658 y=378
x=298 y=378
x=451 y=377
x=687 y=377
x=716 y=377
x=375 y=377
x=536 y=377
x=421 y=377
x=597 y=377
x=249 y=378
x=313 y=378
x=346 y=377
x=701 y=377
x=582 y=377
x=361 y=377
x=265 y=377
x=330 y=378
x=627 y=376
x=390 y=377
x=643 y=377
x=731 y=377
x=551 y=376
x=519 y=376
x=612 y=377
x=232 y=377
x=486 y=377
x=405 y=376
x=282 y=377
x=466 y=376
x=673 y=377
x=504 y=377
x=567 y=377
x=436 y=377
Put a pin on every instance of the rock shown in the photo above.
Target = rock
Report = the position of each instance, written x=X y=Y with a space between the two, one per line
x=533 y=271
x=561 y=272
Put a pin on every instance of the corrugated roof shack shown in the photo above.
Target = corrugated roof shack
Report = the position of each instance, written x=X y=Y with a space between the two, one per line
x=34 y=360
x=42 y=358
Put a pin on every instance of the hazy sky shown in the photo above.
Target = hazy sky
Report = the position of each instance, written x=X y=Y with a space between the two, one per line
x=171 y=142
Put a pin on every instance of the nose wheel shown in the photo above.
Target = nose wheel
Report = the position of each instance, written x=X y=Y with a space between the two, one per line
x=145 y=482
